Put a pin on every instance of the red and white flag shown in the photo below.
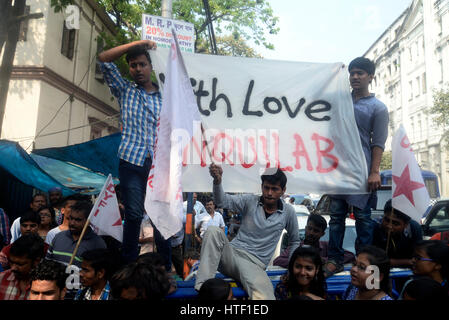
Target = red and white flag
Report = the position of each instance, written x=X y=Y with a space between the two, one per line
x=409 y=191
x=163 y=201
x=105 y=216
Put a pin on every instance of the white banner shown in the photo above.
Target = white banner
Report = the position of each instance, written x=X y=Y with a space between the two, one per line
x=263 y=113
x=163 y=201
x=159 y=30
x=105 y=216
x=409 y=191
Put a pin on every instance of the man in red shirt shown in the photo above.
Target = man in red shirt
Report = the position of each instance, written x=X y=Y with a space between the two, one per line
x=29 y=224
x=26 y=252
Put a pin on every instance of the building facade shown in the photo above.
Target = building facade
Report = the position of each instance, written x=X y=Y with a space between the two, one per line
x=56 y=95
x=412 y=60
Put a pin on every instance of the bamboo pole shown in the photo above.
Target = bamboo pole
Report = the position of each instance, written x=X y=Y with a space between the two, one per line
x=86 y=225
x=389 y=232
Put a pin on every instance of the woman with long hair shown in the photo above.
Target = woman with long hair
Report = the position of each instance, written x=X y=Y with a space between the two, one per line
x=369 y=276
x=305 y=276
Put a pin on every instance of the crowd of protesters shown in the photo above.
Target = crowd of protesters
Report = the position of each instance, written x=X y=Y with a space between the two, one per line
x=35 y=267
x=34 y=263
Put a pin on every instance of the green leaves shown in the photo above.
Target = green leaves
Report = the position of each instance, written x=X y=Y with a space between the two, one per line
x=250 y=19
x=58 y=5
x=440 y=111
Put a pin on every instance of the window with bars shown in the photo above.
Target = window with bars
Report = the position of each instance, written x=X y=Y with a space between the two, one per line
x=68 y=41
x=100 y=47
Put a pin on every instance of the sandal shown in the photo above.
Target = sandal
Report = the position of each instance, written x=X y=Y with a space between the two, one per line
x=329 y=273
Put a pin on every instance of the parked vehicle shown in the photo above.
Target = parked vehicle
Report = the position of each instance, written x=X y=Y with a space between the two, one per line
x=348 y=241
x=437 y=220
x=430 y=180
x=383 y=195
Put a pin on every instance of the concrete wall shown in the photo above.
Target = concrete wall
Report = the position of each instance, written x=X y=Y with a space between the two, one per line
x=32 y=104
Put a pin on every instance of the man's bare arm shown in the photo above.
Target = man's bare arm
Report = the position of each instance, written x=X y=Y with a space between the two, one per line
x=374 y=175
x=113 y=54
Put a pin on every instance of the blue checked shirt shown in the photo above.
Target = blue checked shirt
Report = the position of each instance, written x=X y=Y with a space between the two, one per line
x=139 y=115
x=4 y=227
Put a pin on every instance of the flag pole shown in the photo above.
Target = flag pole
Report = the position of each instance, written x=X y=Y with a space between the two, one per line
x=79 y=240
x=207 y=145
x=389 y=232
x=190 y=232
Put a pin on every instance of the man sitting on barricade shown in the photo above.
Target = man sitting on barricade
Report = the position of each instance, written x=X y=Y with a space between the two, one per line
x=247 y=255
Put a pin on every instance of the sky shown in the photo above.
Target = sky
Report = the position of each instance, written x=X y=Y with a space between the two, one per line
x=329 y=30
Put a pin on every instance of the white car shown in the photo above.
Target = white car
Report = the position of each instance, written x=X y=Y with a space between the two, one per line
x=301 y=209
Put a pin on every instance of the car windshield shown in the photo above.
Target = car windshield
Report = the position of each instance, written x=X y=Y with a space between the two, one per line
x=298 y=198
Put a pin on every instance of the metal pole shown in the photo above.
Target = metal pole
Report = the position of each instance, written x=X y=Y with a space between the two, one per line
x=167 y=9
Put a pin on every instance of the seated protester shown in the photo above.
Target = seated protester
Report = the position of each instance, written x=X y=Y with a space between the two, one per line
x=96 y=270
x=26 y=253
x=48 y=281
x=140 y=281
x=29 y=224
x=192 y=257
x=215 y=290
x=314 y=231
x=48 y=221
x=431 y=260
x=157 y=260
x=405 y=233
x=425 y=289
x=39 y=200
x=304 y=277
x=361 y=288
x=64 y=243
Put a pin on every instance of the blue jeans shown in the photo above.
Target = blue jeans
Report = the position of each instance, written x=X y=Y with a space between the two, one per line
x=133 y=184
x=363 y=225
x=163 y=247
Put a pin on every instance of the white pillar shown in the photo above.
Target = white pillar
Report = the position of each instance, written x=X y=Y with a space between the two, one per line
x=167 y=9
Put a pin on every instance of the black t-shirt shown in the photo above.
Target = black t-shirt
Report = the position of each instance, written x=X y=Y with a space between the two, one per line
x=402 y=245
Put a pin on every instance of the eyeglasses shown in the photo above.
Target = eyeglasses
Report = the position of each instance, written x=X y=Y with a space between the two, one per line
x=419 y=258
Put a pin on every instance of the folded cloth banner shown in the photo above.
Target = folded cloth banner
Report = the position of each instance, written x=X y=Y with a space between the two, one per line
x=105 y=216
x=263 y=113
x=163 y=200
x=409 y=191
